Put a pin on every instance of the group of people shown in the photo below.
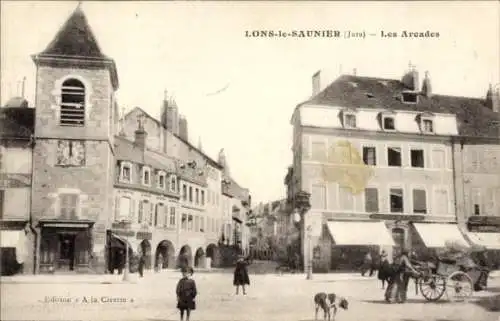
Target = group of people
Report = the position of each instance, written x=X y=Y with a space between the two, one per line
x=186 y=287
x=396 y=274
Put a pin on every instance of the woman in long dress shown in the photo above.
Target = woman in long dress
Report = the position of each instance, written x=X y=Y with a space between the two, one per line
x=241 y=274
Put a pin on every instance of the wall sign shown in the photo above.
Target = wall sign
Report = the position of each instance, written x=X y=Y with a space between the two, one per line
x=397 y=217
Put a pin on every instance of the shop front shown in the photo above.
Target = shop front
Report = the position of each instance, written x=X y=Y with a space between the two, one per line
x=65 y=247
x=14 y=251
x=138 y=243
x=348 y=242
x=484 y=231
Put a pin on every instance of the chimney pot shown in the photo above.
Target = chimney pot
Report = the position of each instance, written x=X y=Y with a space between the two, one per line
x=316 y=83
x=426 y=85
x=493 y=98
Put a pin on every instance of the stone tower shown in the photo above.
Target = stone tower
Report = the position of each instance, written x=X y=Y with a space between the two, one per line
x=73 y=163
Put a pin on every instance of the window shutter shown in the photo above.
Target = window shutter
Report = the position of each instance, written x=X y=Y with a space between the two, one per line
x=132 y=209
x=151 y=211
x=117 y=208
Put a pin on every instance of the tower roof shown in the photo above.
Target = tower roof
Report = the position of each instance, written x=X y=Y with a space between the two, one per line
x=75 y=40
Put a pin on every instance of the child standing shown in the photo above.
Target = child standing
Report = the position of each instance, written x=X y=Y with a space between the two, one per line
x=186 y=293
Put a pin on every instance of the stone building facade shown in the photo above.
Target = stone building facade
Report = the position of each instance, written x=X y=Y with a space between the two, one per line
x=379 y=157
x=104 y=184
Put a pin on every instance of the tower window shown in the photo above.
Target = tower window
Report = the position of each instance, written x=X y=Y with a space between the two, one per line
x=72 y=103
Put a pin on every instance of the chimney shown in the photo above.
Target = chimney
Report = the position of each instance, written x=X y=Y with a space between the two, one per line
x=183 y=128
x=410 y=79
x=169 y=114
x=316 y=83
x=140 y=134
x=493 y=99
x=426 y=85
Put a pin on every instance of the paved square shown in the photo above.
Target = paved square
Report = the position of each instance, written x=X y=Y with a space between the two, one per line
x=270 y=297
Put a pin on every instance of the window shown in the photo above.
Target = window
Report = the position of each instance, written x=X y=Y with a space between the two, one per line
x=409 y=97
x=476 y=201
x=172 y=216
x=68 y=205
x=394 y=156
x=197 y=196
x=173 y=183
x=158 y=211
x=318 y=151
x=396 y=200
x=184 y=192
x=143 y=211
x=417 y=158
x=202 y=224
x=419 y=201
x=190 y=222
x=350 y=120
x=196 y=223
x=209 y=224
x=427 y=126
x=161 y=180
x=184 y=221
x=126 y=170
x=438 y=159
x=346 y=199
x=209 y=199
x=190 y=194
x=125 y=208
x=370 y=156
x=388 y=123
x=318 y=197
x=489 y=205
x=146 y=176
x=371 y=200
x=202 y=197
x=72 y=111
x=441 y=202
x=151 y=210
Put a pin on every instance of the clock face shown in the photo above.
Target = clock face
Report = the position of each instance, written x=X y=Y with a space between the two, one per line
x=71 y=153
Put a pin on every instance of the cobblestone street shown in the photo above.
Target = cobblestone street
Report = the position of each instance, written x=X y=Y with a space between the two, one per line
x=270 y=297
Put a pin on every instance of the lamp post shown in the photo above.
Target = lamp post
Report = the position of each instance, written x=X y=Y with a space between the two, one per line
x=302 y=205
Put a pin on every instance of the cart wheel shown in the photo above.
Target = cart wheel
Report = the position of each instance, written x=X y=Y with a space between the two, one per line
x=432 y=287
x=459 y=286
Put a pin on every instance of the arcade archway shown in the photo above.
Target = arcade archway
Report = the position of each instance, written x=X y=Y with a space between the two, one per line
x=145 y=249
x=212 y=255
x=165 y=255
x=199 y=258
x=185 y=257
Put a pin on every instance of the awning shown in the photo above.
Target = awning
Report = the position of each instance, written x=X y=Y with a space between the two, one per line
x=17 y=240
x=436 y=235
x=489 y=240
x=359 y=233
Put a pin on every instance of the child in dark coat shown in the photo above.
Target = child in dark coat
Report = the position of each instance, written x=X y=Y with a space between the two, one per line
x=186 y=293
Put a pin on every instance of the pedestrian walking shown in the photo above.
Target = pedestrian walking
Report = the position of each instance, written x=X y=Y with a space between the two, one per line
x=241 y=277
x=142 y=262
x=367 y=264
x=398 y=285
x=186 y=293
x=384 y=269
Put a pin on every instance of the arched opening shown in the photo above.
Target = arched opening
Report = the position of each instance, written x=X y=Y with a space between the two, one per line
x=117 y=257
x=398 y=234
x=165 y=255
x=199 y=258
x=145 y=249
x=185 y=257
x=72 y=103
x=211 y=255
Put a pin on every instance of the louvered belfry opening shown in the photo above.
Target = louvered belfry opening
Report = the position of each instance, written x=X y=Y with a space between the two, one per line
x=73 y=103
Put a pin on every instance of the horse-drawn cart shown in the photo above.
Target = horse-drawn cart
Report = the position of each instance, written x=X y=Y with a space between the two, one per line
x=457 y=278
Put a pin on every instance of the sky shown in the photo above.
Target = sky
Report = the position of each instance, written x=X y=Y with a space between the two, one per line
x=239 y=93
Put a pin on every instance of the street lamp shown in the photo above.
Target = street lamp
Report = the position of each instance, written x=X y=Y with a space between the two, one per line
x=302 y=205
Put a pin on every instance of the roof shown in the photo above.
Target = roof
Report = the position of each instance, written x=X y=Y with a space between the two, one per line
x=233 y=189
x=17 y=122
x=76 y=40
x=126 y=150
x=208 y=158
x=474 y=118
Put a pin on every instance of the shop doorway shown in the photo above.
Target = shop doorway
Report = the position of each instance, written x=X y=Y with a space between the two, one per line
x=66 y=260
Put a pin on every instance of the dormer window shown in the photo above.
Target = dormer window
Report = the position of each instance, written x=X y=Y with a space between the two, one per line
x=161 y=179
x=409 y=97
x=125 y=172
x=388 y=123
x=146 y=176
x=348 y=117
x=426 y=122
x=173 y=183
